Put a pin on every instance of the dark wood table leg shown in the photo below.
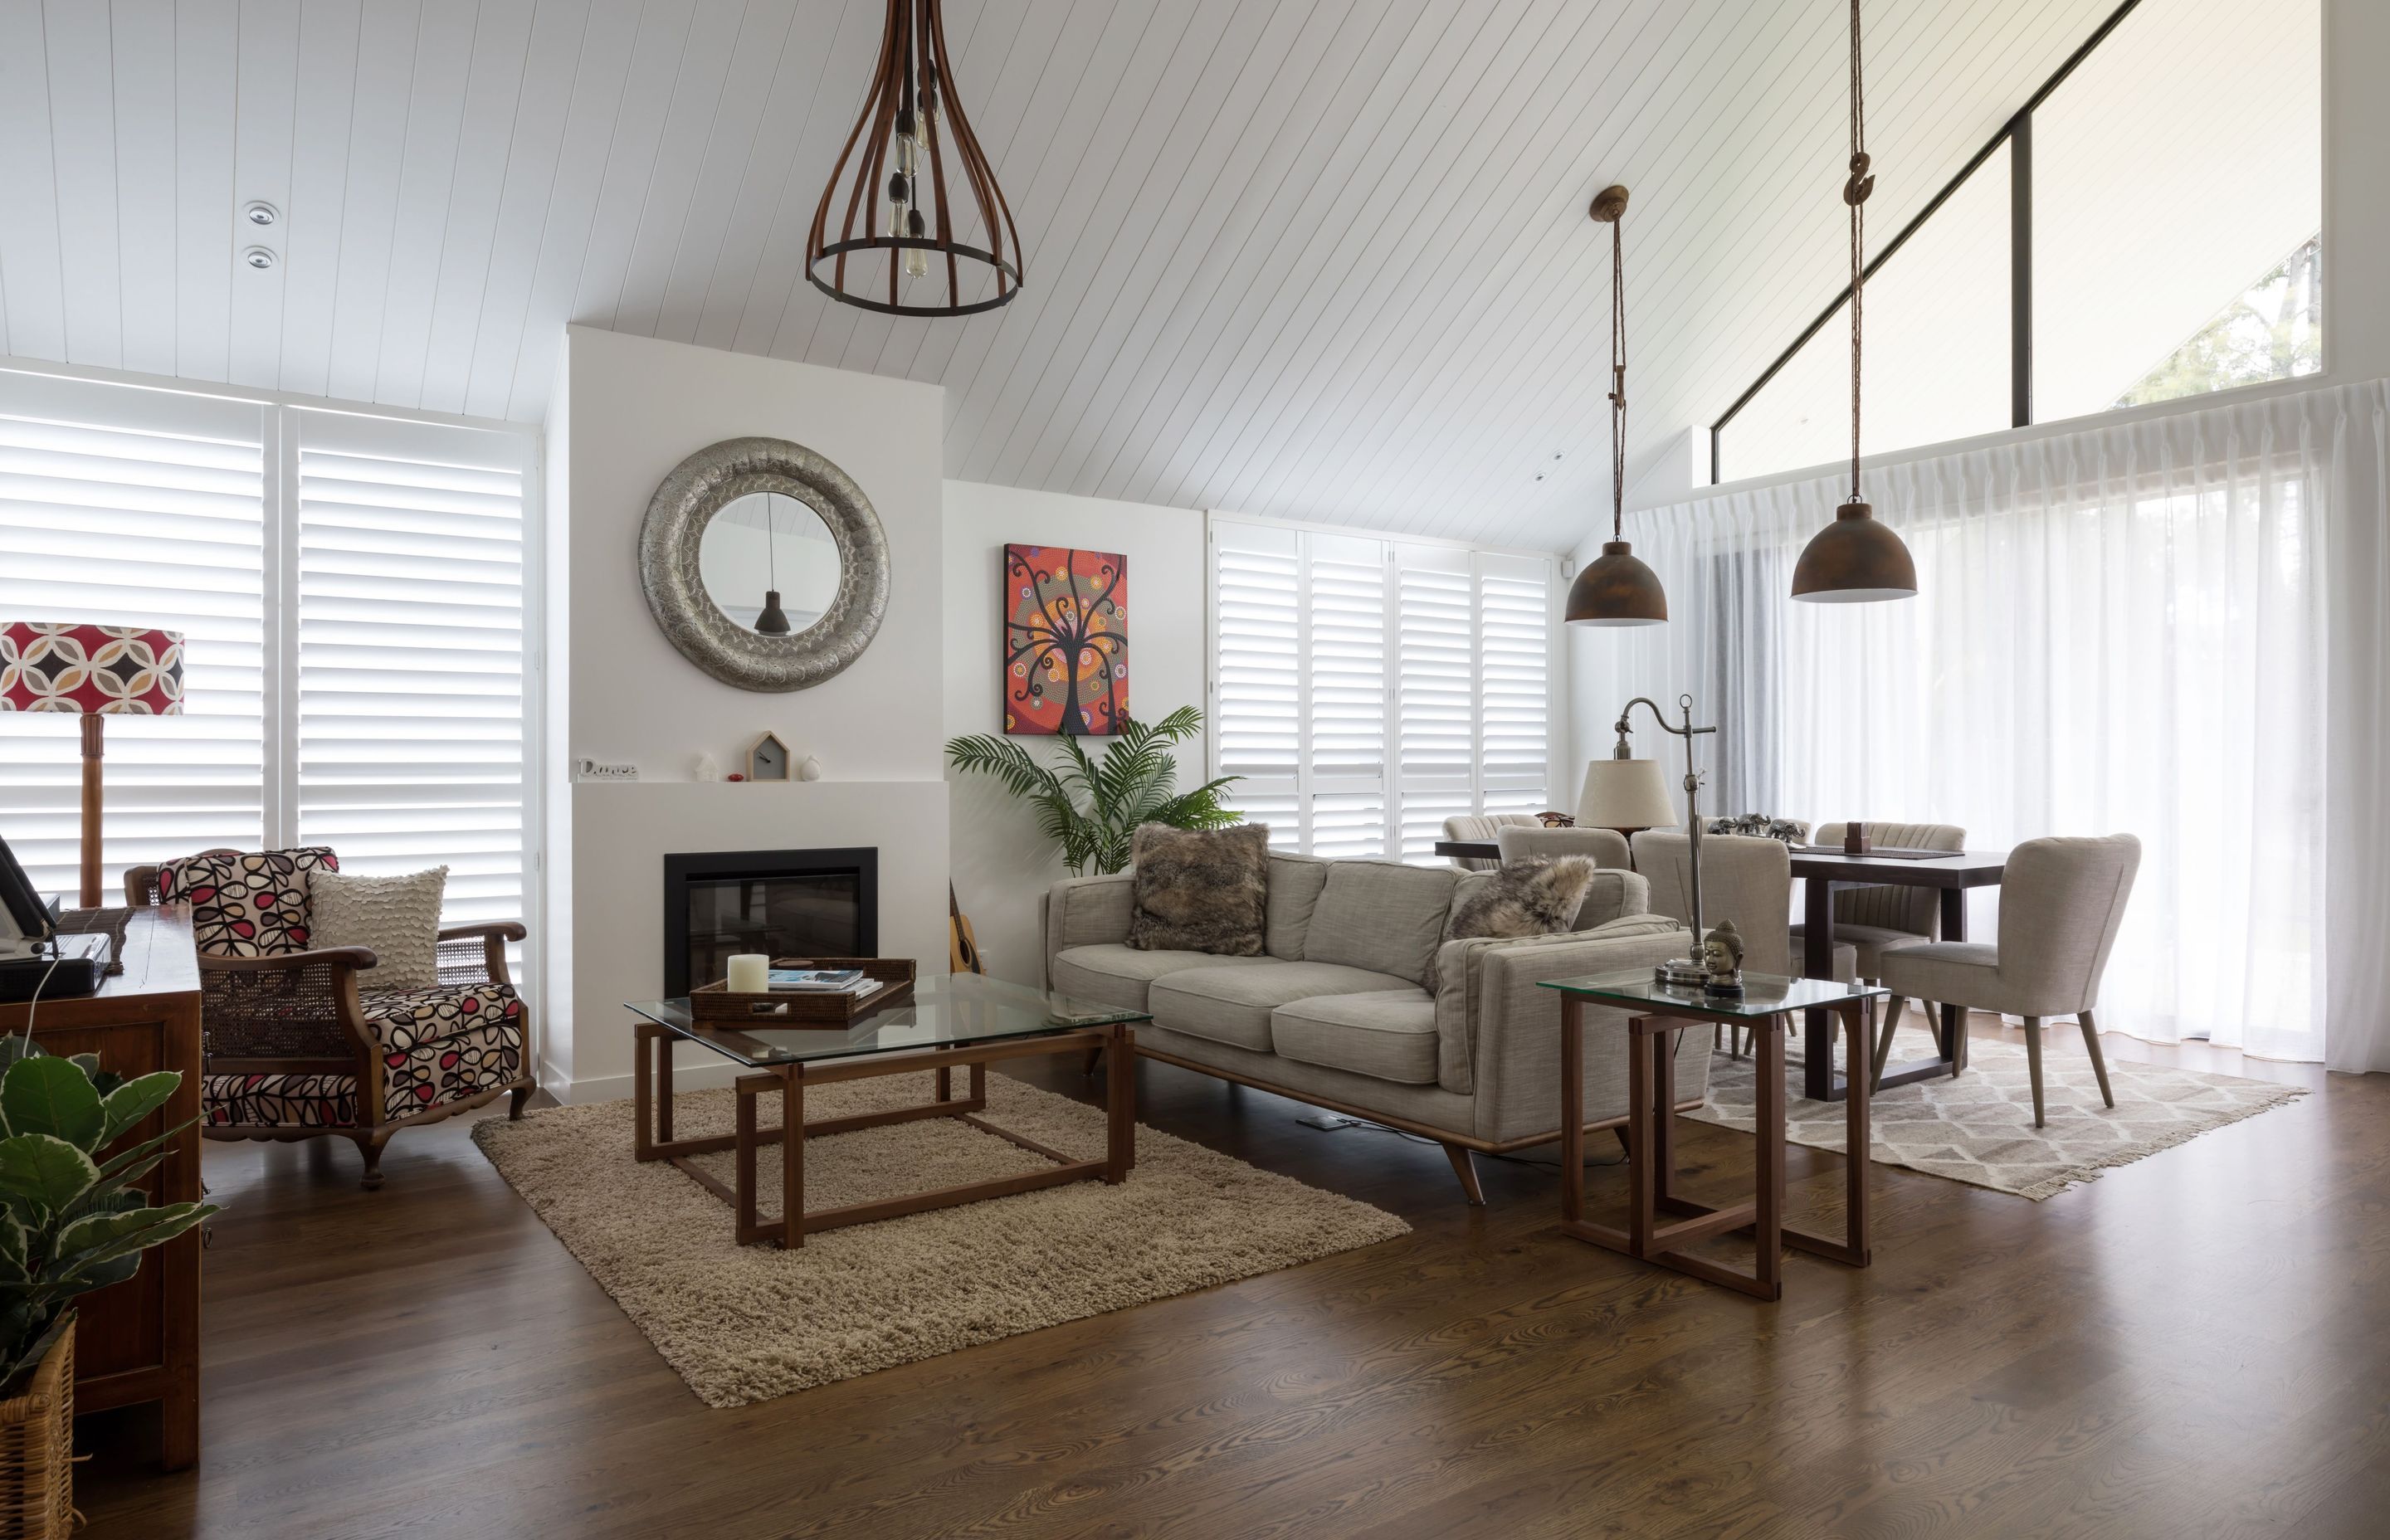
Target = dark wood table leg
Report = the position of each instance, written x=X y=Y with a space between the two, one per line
x=1664 y=1116
x=1120 y=1105
x=793 y=1155
x=1767 y=1231
x=643 y=1094
x=1640 y=1216
x=1817 y=962
x=1953 y=1033
x=1858 y=1134
x=664 y=1086
x=1573 y=1110
x=743 y=1220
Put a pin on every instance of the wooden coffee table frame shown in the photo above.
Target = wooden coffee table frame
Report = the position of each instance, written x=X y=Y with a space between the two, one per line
x=1651 y=1094
x=653 y=1105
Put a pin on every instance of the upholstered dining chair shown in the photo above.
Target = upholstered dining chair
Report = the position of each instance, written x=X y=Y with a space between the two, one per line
x=2061 y=902
x=1485 y=825
x=1607 y=847
x=1876 y=921
x=299 y=1045
x=1746 y=878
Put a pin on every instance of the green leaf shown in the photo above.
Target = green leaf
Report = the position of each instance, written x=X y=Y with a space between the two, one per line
x=44 y=1170
x=24 y=1362
x=136 y=1099
x=54 y=1096
x=12 y=1249
x=104 y=1237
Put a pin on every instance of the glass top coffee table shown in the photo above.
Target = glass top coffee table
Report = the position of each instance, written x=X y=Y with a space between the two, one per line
x=1654 y=1014
x=962 y=1021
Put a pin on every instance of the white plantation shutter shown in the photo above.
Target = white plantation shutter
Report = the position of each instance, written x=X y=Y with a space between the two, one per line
x=411 y=647
x=1369 y=689
x=122 y=505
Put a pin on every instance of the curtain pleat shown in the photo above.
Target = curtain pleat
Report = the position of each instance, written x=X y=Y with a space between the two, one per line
x=2169 y=627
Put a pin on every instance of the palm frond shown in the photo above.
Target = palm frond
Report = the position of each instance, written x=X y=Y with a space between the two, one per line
x=1090 y=808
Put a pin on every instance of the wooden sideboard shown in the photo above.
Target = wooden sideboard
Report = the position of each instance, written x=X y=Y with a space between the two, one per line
x=139 y=1340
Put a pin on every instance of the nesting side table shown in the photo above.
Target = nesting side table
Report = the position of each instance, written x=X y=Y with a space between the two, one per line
x=1768 y=1005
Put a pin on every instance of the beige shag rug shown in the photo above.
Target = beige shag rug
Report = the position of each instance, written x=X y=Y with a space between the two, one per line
x=746 y=1323
x=1978 y=1127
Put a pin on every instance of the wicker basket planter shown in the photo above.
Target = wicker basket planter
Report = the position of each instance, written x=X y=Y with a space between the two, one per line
x=37 y=1449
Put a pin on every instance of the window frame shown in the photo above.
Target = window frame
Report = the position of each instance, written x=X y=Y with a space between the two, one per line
x=279 y=412
x=1390 y=784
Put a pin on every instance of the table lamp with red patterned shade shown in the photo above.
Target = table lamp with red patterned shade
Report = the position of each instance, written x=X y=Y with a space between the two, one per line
x=95 y=672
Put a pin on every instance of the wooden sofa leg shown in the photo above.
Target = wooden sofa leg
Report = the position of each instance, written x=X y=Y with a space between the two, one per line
x=1464 y=1165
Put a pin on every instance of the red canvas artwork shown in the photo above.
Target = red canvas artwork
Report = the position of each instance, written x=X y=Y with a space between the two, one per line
x=1065 y=641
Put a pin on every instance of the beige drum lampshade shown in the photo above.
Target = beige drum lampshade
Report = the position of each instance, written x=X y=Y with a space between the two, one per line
x=1626 y=794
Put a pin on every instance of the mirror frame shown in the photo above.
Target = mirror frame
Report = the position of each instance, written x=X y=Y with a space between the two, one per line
x=710 y=480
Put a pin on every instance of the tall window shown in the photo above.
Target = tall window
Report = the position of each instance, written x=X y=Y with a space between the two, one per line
x=351 y=591
x=1367 y=689
x=2145 y=227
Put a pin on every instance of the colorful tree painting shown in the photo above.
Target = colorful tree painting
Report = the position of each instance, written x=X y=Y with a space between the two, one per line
x=1065 y=641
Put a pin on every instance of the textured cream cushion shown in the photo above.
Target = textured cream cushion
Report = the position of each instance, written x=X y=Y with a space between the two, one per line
x=1386 y=1036
x=1382 y=915
x=1233 y=1004
x=397 y=916
x=1111 y=974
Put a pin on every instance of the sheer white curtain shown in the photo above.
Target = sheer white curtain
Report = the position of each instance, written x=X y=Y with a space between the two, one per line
x=2124 y=629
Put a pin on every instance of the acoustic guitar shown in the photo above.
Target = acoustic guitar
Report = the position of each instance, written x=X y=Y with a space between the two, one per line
x=962 y=946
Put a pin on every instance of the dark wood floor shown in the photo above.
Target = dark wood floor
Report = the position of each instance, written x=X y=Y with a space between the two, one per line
x=2198 y=1344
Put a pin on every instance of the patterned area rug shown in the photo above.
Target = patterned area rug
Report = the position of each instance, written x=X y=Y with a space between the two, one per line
x=1978 y=1128
x=746 y=1323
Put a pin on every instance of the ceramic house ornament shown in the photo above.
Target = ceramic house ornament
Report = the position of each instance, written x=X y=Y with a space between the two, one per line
x=768 y=761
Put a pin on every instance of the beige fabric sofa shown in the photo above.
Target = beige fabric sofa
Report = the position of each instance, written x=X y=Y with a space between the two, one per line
x=1335 y=1014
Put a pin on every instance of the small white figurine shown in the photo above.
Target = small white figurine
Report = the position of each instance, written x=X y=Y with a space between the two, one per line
x=705 y=769
x=809 y=769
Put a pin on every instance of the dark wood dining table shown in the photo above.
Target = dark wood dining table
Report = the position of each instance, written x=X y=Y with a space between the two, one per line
x=1822 y=872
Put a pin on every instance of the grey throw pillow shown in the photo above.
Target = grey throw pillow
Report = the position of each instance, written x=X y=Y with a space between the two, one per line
x=398 y=917
x=1525 y=898
x=1200 y=890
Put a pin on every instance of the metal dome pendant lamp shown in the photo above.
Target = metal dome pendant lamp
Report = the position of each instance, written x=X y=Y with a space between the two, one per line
x=1855 y=559
x=1617 y=588
x=911 y=141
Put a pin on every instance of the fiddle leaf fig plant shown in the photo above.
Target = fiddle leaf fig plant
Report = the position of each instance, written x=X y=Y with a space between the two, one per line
x=70 y=1222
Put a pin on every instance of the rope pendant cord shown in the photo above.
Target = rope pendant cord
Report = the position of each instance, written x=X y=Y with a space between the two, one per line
x=1617 y=381
x=1855 y=193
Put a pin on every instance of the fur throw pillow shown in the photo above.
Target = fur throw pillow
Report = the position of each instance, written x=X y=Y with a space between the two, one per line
x=1200 y=890
x=1538 y=897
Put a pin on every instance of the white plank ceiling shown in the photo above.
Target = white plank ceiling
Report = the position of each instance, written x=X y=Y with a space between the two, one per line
x=1323 y=261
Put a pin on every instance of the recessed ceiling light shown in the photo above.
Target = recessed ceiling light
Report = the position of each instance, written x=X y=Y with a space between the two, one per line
x=259 y=258
x=261 y=214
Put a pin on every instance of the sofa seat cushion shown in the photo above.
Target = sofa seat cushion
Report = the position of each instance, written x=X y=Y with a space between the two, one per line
x=1111 y=974
x=1389 y=1034
x=1232 y=1004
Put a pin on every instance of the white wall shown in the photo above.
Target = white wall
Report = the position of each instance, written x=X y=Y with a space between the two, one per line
x=1001 y=864
x=631 y=409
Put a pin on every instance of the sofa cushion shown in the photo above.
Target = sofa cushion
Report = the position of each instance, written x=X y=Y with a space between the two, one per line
x=1200 y=890
x=1387 y=1036
x=1295 y=885
x=1111 y=974
x=1382 y=915
x=1233 y=1004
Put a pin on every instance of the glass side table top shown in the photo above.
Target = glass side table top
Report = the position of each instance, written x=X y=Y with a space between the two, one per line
x=1763 y=994
x=948 y=1010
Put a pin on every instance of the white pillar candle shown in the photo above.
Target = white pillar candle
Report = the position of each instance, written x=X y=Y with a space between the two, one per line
x=751 y=973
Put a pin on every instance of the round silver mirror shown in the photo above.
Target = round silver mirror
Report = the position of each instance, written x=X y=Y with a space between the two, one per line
x=770 y=563
x=765 y=564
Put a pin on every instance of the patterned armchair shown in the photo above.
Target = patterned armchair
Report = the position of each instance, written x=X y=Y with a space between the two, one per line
x=299 y=1042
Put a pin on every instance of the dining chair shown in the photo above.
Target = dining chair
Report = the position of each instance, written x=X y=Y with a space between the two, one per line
x=1746 y=878
x=1605 y=847
x=1485 y=825
x=2061 y=902
x=1880 y=919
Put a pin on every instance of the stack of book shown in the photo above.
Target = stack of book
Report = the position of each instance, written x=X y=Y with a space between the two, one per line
x=821 y=981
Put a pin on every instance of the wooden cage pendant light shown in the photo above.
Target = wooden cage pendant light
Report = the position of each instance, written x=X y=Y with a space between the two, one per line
x=904 y=244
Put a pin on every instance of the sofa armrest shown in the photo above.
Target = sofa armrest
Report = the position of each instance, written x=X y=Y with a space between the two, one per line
x=1086 y=911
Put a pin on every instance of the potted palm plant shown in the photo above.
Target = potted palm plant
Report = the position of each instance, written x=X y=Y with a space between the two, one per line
x=70 y=1221
x=1091 y=807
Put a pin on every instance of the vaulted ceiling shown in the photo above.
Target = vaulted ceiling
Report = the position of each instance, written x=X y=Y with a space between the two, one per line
x=1324 y=260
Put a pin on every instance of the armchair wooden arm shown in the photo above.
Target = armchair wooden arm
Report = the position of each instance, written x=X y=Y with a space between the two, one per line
x=351 y=957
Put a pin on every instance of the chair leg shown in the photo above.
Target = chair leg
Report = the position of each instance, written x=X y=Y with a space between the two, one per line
x=521 y=1093
x=1464 y=1165
x=1883 y=1042
x=369 y=1145
x=2033 y=1063
x=1625 y=1144
x=1088 y=1061
x=2099 y=1060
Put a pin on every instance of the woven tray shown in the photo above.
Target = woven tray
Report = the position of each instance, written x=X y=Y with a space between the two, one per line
x=716 y=1003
